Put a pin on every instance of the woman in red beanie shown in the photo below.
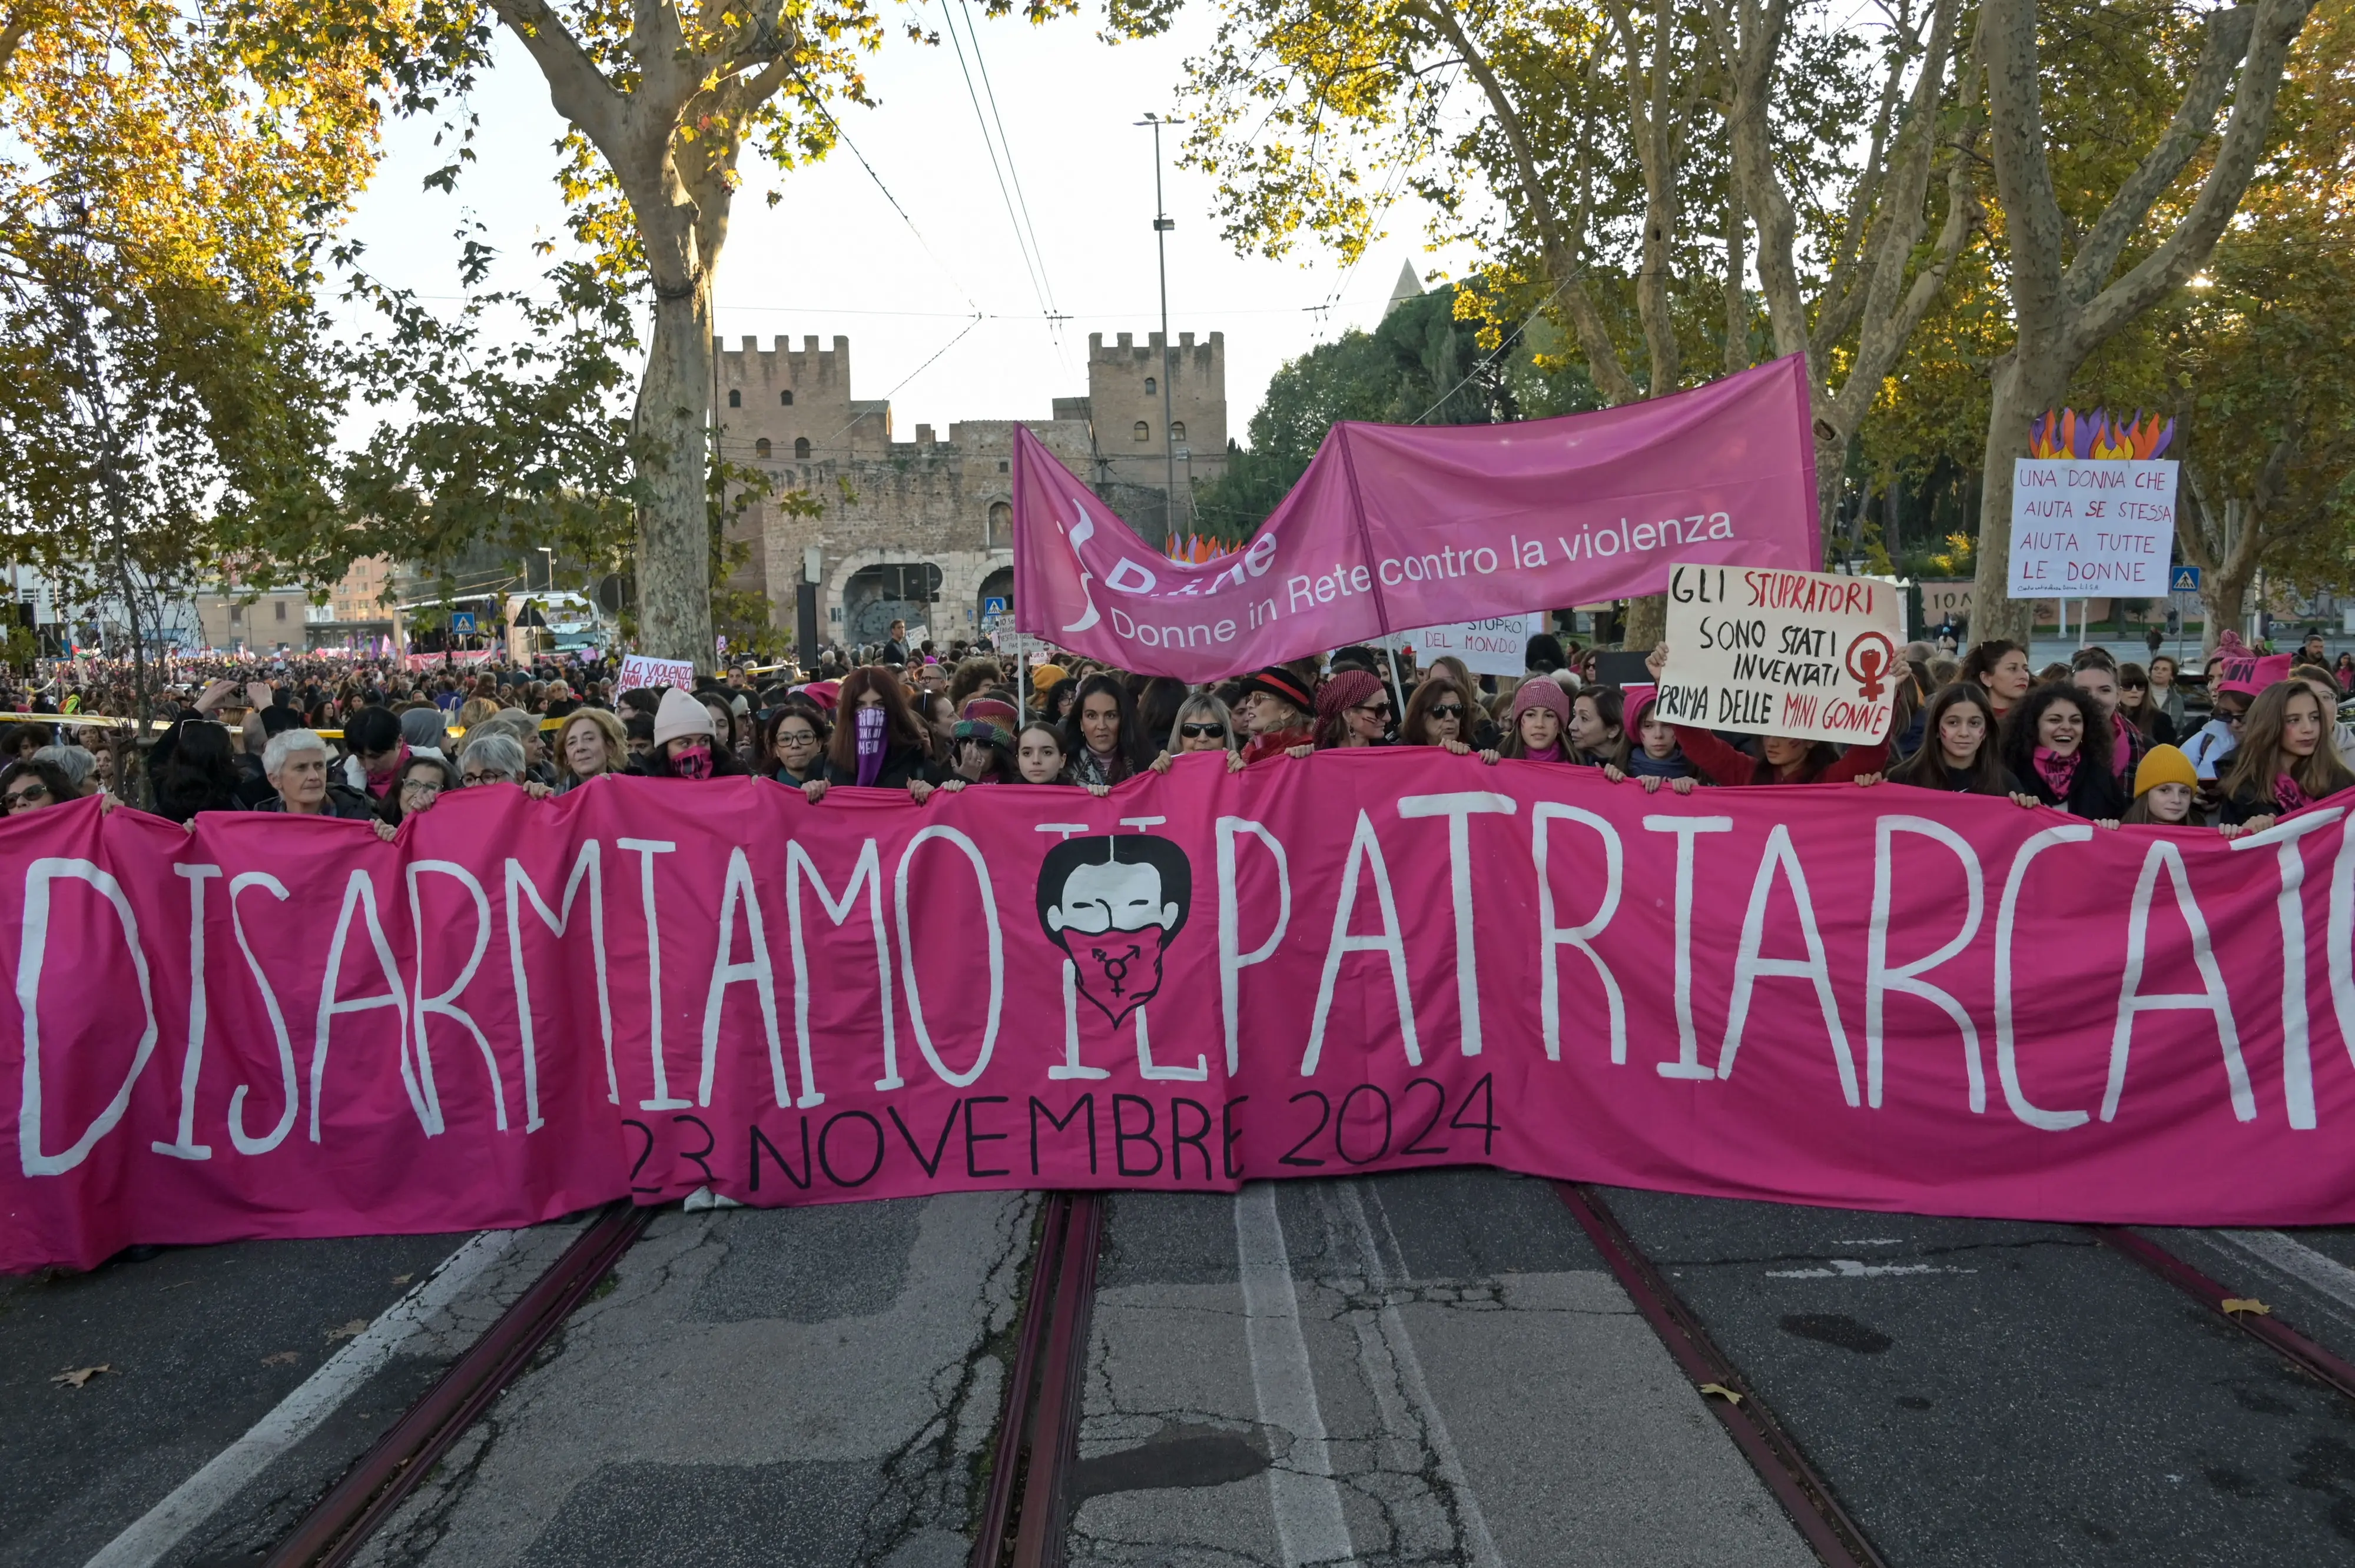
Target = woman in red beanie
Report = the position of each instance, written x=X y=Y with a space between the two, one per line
x=1352 y=709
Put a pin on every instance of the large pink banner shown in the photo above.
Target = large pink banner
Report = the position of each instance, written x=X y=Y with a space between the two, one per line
x=1880 y=998
x=1395 y=527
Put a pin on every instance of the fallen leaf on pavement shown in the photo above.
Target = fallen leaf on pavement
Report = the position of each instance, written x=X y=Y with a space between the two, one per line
x=402 y=1279
x=281 y=1359
x=352 y=1330
x=2233 y=1306
x=75 y=1377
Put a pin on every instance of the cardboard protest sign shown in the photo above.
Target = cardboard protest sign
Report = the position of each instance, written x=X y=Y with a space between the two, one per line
x=637 y=669
x=1804 y=654
x=1497 y=646
x=2081 y=528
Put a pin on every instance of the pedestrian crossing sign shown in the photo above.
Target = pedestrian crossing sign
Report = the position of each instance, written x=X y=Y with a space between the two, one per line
x=2184 y=579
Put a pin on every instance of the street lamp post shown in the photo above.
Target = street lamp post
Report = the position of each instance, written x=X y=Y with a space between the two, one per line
x=1162 y=224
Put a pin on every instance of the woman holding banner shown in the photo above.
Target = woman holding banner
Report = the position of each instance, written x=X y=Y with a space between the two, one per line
x=590 y=744
x=1958 y=753
x=1435 y=715
x=1352 y=709
x=1102 y=735
x=1598 y=732
x=1656 y=758
x=2057 y=742
x=2285 y=760
x=878 y=741
x=1202 y=724
x=1534 y=726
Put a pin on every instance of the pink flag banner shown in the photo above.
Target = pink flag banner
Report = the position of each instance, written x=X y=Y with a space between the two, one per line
x=1395 y=527
x=1884 y=998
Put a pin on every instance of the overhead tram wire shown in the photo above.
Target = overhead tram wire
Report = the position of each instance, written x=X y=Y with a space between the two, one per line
x=924 y=245
x=1496 y=356
x=1014 y=173
x=1033 y=266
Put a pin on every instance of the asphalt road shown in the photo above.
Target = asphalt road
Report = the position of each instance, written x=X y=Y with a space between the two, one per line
x=1421 y=1368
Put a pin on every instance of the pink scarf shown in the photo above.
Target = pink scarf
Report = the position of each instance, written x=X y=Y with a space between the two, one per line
x=2120 y=748
x=2288 y=796
x=378 y=784
x=2058 y=772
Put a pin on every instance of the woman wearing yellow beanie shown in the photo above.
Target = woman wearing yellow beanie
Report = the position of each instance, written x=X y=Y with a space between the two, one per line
x=2165 y=790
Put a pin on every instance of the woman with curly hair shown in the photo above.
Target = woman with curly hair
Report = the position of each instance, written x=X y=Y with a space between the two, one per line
x=2056 y=742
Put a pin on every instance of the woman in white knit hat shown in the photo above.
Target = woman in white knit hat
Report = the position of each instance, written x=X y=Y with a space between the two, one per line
x=686 y=742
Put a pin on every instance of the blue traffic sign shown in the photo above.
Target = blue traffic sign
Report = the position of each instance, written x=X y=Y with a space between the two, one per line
x=993 y=606
x=462 y=621
x=2184 y=579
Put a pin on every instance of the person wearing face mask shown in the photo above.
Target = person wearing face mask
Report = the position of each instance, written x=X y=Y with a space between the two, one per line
x=686 y=742
x=878 y=741
x=2215 y=742
x=2284 y=761
x=1655 y=759
x=2057 y=745
x=592 y=743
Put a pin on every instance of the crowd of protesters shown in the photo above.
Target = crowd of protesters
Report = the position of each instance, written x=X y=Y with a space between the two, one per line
x=2109 y=741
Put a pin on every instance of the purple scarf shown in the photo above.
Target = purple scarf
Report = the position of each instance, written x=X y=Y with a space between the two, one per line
x=870 y=744
x=2057 y=771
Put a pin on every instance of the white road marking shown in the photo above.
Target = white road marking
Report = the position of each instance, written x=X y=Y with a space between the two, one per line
x=1482 y=1546
x=202 y=1495
x=1851 y=1268
x=2299 y=1261
x=1307 y=1500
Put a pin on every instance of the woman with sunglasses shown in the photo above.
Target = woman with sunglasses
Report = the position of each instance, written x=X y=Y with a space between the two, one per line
x=1352 y=709
x=1438 y=713
x=2139 y=706
x=29 y=786
x=1203 y=724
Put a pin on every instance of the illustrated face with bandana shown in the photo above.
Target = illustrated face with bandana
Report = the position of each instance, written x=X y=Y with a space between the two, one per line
x=1114 y=903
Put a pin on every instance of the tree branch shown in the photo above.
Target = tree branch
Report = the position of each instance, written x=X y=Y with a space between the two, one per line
x=2033 y=225
x=2097 y=254
x=2276 y=26
x=1603 y=367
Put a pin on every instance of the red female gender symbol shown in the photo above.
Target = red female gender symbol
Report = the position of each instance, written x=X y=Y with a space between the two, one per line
x=1869 y=655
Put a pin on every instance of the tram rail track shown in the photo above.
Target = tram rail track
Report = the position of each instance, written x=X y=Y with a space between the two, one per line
x=1023 y=1513
x=341 y=1522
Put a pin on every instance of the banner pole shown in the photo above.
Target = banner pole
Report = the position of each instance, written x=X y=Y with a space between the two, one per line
x=1397 y=687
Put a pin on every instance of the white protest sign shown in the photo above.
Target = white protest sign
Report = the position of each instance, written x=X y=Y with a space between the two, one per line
x=637 y=669
x=1498 y=646
x=2087 y=529
x=1802 y=654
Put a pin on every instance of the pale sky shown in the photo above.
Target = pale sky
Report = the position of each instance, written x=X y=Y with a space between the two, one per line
x=833 y=256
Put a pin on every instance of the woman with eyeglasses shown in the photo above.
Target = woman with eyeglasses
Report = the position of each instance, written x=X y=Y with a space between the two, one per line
x=422 y=780
x=29 y=786
x=1203 y=724
x=793 y=744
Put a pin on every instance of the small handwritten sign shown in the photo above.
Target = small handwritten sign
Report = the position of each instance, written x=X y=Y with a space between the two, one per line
x=1802 y=654
x=637 y=669
x=2092 y=528
x=1498 y=646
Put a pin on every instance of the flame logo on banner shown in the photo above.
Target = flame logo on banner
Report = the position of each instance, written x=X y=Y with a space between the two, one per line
x=1078 y=535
